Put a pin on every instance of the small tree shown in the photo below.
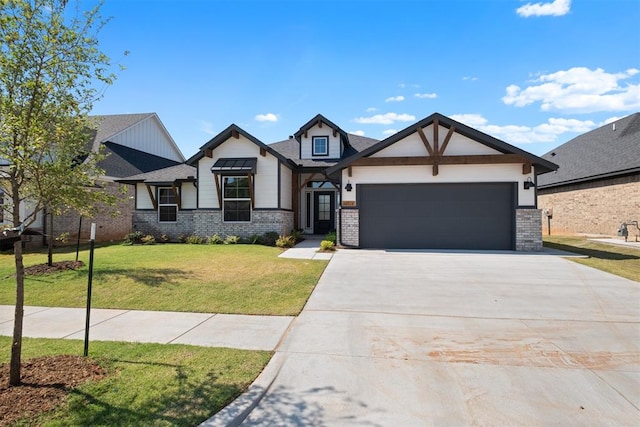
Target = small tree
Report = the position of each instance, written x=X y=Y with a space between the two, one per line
x=49 y=64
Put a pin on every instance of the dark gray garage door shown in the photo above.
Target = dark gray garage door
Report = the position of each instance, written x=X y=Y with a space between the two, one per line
x=437 y=216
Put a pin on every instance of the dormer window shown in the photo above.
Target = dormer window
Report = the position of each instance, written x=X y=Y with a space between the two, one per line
x=320 y=146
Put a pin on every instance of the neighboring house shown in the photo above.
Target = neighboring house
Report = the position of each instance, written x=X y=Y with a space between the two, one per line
x=597 y=186
x=132 y=143
x=436 y=184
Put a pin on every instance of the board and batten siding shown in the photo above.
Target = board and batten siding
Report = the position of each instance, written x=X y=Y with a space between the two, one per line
x=335 y=147
x=286 y=177
x=266 y=178
x=149 y=136
x=458 y=145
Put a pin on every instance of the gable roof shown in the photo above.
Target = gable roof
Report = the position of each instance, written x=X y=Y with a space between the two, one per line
x=610 y=150
x=121 y=161
x=542 y=165
x=290 y=149
x=166 y=176
x=318 y=120
x=223 y=136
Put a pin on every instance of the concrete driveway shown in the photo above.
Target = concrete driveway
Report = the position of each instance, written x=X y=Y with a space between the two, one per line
x=411 y=338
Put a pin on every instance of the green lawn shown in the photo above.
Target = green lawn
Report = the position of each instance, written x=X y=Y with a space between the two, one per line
x=614 y=259
x=148 y=384
x=246 y=279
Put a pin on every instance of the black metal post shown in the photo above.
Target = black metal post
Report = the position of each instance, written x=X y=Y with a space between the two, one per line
x=78 y=244
x=89 y=283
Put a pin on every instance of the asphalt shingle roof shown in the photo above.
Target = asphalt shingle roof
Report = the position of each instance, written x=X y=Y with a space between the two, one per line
x=613 y=149
x=123 y=161
x=290 y=149
x=181 y=172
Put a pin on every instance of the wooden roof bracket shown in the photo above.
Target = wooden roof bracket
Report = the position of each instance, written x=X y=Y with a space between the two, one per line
x=250 y=176
x=304 y=184
x=526 y=168
x=176 y=194
x=216 y=178
x=154 y=202
x=235 y=134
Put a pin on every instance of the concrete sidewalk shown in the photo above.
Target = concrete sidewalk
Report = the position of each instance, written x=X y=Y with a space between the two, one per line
x=202 y=329
x=307 y=249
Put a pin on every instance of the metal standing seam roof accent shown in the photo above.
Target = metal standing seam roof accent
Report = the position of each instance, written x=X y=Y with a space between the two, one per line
x=245 y=164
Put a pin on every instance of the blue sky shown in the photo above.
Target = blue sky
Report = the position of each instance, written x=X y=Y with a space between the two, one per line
x=534 y=74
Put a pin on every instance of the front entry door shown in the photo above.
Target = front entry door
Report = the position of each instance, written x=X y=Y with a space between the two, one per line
x=324 y=212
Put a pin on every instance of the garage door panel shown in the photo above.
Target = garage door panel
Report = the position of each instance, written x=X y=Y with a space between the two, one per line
x=438 y=216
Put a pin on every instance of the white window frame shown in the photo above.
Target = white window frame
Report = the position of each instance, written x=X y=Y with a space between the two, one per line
x=235 y=199
x=160 y=204
x=315 y=152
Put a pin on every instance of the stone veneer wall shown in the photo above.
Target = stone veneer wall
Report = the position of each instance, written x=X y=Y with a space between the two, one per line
x=529 y=230
x=209 y=222
x=597 y=207
x=349 y=230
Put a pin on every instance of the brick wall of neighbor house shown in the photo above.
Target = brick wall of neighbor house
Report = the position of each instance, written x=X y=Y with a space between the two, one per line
x=529 y=230
x=209 y=222
x=147 y=223
x=597 y=207
x=112 y=222
x=349 y=231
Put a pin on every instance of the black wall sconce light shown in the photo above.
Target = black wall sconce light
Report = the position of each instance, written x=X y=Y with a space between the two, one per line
x=348 y=187
x=529 y=184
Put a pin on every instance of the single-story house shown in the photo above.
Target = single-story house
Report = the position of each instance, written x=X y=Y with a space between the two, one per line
x=132 y=143
x=436 y=184
x=597 y=186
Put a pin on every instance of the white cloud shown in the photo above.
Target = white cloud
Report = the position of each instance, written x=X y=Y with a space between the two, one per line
x=555 y=8
x=426 y=95
x=578 y=90
x=515 y=134
x=357 y=132
x=398 y=98
x=371 y=109
x=389 y=132
x=473 y=79
x=385 y=119
x=269 y=117
x=207 y=127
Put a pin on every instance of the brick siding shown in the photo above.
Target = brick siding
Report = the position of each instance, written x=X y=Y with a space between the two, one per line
x=349 y=230
x=529 y=230
x=597 y=207
x=112 y=222
x=206 y=223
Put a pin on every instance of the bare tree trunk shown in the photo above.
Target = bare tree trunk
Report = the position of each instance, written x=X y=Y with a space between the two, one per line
x=49 y=239
x=16 y=346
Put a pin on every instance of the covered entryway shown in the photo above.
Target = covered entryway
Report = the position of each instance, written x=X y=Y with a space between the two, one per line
x=324 y=212
x=437 y=216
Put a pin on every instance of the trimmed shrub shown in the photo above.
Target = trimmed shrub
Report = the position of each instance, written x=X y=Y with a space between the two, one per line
x=215 y=240
x=232 y=240
x=285 y=241
x=148 y=240
x=332 y=236
x=254 y=239
x=269 y=238
x=194 y=240
x=297 y=235
x=327 y=245
x=134 y=238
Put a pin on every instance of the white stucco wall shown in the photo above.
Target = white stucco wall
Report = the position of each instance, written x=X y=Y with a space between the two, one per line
x=188 y=195
x=266 y=179
x=458 y=145
x=325 y=130
x=142 y=197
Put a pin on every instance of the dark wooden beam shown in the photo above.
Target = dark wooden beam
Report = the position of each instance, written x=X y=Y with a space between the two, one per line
x=425 y=141
x=154 y=202
x=349 y=171
x=216 y=178
x=176 y=194
x=335 y=133
x=235 y=134
x=442 y=160
x=307 y=181
x=263 y=152
x=526 y=168
x=208 y=152
x=447 y=138
x=251 y=190
x=319 y=123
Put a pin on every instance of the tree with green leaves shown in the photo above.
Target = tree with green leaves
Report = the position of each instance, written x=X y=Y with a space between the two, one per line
x=50 y=64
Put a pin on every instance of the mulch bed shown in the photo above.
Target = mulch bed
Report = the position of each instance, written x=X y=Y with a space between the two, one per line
x=56 y=266
x=46 y=381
